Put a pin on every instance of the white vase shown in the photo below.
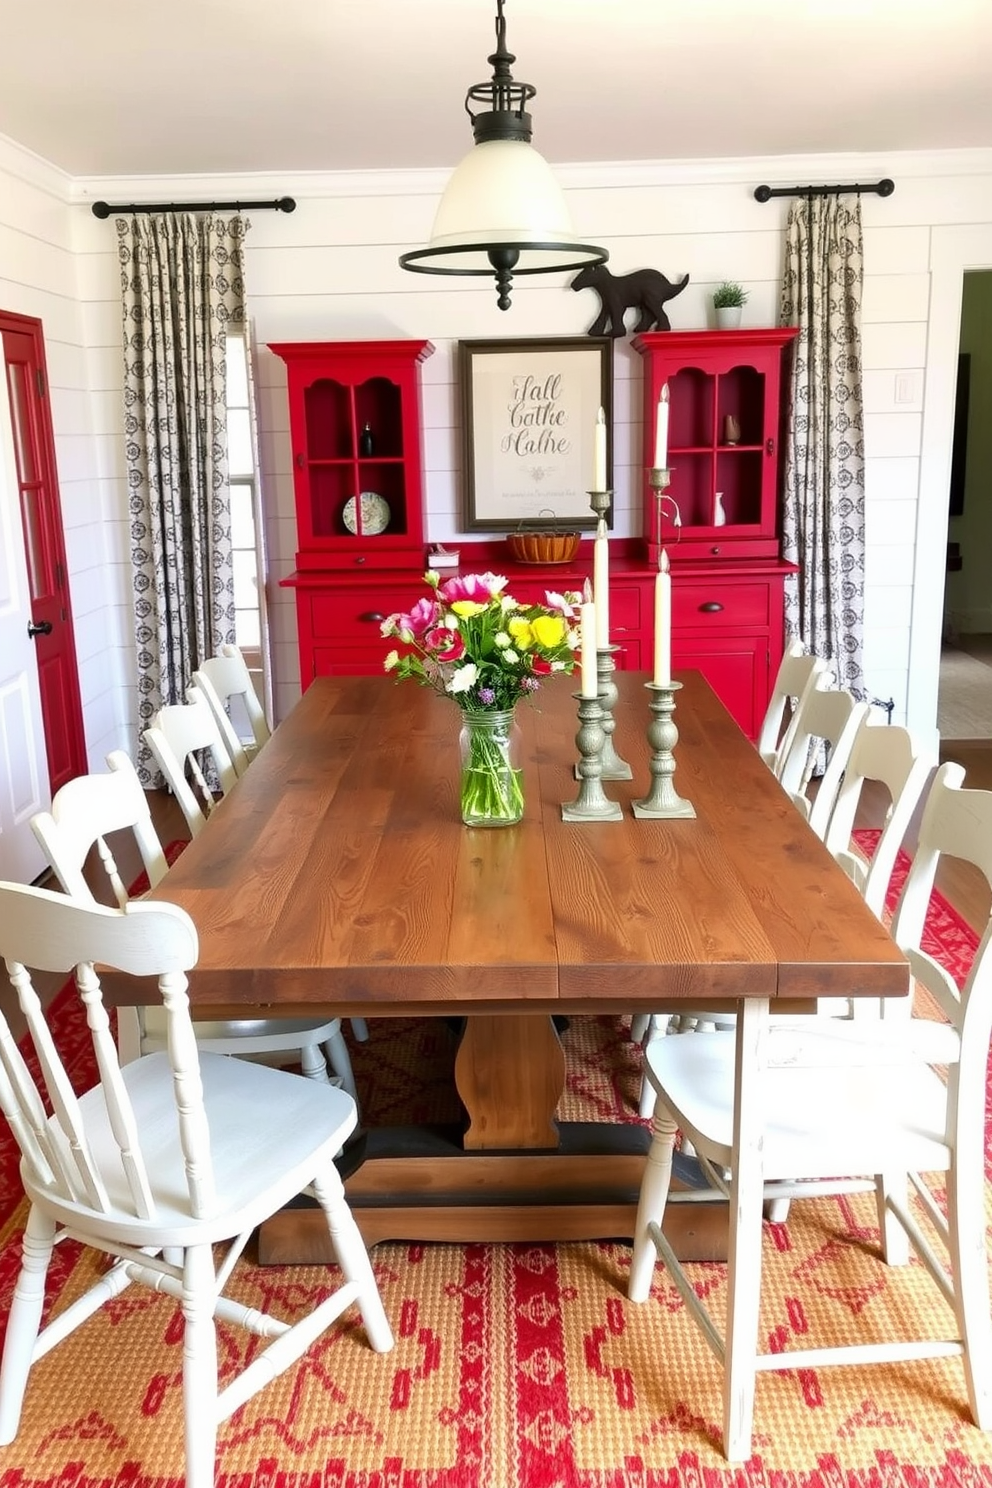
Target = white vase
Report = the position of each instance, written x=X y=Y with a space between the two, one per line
x=728 y=317
x=719 y=515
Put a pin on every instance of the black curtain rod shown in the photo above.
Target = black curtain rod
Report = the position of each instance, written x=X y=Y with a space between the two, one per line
x=281 y=204
x=880 y=188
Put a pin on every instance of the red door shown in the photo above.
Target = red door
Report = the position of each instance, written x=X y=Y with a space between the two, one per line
x=41 y=516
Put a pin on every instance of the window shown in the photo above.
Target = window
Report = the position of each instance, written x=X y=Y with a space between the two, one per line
x=246 y=524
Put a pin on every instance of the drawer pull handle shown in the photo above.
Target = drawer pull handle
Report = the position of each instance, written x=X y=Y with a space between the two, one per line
x=374 y=617
x=711 y=607
x=770 y=447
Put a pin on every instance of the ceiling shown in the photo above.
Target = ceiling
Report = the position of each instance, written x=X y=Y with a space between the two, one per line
x=135 y=87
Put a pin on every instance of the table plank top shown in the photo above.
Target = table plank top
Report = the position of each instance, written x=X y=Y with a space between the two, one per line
x=338 y=874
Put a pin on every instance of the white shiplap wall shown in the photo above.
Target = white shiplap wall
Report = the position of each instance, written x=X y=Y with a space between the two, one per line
x=329 y=271
x=39 y=276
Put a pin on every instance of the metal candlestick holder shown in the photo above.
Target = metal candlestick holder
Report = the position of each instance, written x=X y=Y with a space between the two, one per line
x=614 y=768
x=663 y=736
x=590 y=804
x=600 y=501
x=660 y=478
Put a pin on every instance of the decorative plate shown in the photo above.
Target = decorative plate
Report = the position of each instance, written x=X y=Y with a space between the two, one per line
x=375 y=514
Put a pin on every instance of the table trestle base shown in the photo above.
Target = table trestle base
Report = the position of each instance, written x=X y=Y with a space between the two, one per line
x=446 y=1194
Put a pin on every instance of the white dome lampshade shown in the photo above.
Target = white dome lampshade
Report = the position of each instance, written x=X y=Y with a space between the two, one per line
x=502 y=212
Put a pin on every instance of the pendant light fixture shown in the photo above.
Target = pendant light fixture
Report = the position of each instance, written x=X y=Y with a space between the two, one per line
x=502 y=212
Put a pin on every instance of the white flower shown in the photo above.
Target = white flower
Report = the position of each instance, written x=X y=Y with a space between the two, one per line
x=464 y=678
x=558 y=666
x=388 y=625
x=392 y=660
x=511 y=658
x=507 y=602
x=501 y=639
x=407 y=637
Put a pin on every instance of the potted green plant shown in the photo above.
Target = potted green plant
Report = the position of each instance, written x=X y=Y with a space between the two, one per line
x=728 y=302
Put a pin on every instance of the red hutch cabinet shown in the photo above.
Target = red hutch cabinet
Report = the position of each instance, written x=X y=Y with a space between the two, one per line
x=720 y=519
x=355 y=425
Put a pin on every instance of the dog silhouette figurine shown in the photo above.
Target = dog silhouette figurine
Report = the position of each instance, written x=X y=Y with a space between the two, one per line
x=645 y=290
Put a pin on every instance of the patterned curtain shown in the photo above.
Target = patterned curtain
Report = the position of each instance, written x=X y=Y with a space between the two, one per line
x=824 y=496
x=181 y=286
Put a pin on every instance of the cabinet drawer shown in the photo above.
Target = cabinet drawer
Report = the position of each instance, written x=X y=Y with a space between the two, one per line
x=720 y=605
x=348 y=661
x=356 y=614
x=625 y=607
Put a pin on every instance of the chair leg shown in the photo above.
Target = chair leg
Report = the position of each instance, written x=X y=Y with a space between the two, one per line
x=360 y=1029
x=339 y=1059
x=645 y=1105
x=746 y=1200
x=651 y=1204
x=970 y=1267
x=24 y=1321
x=650 y=1027
x=313 y=1063
x=199 y=1367
x=895 y=1241
x=353 y=1258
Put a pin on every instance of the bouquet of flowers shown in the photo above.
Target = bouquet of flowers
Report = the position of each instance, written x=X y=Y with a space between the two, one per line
x=472 y=642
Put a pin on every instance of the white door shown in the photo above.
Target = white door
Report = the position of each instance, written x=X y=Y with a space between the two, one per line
x=23 y=763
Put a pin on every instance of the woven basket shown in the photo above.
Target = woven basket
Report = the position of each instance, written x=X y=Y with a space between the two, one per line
x=543 y=547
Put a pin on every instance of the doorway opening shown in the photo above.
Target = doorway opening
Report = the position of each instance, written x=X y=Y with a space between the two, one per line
x=49 y=612
x=964 y=699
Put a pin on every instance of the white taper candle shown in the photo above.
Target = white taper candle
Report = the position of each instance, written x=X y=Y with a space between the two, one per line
x=599 y=453
x=601 y=585
x=661 y=431
x=587 y=650
x=663 y=623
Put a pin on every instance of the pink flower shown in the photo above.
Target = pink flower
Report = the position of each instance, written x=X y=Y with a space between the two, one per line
x=478 y=587
x=447 y=645
x=421 y=618
x=562 y=604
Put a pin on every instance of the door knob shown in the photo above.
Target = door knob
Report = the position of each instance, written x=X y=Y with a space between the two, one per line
x=44 y=627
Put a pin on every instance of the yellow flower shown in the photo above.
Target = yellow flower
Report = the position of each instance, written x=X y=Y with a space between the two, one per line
x=549 y=631
x=466 y=608
x=520 y=630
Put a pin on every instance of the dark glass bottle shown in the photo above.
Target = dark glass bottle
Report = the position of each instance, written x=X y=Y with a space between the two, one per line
x=365 y=442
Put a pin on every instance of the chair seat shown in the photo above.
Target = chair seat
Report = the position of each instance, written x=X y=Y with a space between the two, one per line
x=242 y=1035
x=290 y=1121
x=857 y=1109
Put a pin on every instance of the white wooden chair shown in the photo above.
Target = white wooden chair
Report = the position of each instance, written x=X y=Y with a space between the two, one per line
x=226 y=684
x=797 y=674
x=889 y=756
x=831 y=716
x=824 y=713
x=849 y=1098
x=84 y=813
x=162 y=1161
x=178 y=735
x=219 y=682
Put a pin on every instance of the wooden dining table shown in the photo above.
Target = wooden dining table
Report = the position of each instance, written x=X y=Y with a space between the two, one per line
x=337 y=876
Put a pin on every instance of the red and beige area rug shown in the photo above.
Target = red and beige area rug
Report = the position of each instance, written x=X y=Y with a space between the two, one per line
x=514 y=1366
